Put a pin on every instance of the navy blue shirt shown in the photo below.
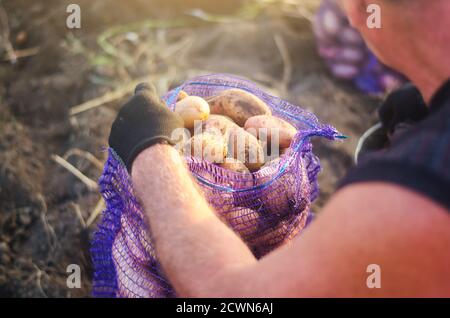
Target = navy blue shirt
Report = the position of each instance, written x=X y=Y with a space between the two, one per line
x=418 y=158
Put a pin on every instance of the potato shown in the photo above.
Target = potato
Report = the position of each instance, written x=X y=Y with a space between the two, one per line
x=284 y=151
x=234 y=165
x=191 y=109
x=275 y=237
x=280 y=196
x=181 y=137
x=211 y=147
x=182 y=95
x=127 y=245
x=218 y=123
x=246 y=148
x=273 y=163
x=238 y=104
x=243 y=221
x=268 y=155
x=244 y=179
x=219 y=200
x=286 y=132
x=134 y=238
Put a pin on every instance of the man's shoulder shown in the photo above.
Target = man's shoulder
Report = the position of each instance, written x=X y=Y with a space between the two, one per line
x=424 y=143
x=418 y=156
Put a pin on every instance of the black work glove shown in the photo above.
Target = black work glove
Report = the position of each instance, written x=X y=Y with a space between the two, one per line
x=142 y=122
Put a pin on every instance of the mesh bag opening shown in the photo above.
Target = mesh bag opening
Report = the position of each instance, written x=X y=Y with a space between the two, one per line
x=267 y=208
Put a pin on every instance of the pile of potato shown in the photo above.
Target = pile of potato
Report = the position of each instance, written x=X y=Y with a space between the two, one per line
x=232 y=129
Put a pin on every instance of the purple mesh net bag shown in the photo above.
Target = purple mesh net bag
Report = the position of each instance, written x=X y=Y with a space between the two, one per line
x=266 y=208
x=347 y=55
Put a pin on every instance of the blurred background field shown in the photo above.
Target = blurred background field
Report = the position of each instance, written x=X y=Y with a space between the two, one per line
x=57 y=103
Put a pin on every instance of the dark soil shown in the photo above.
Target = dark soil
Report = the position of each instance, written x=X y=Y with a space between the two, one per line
x=42 y=206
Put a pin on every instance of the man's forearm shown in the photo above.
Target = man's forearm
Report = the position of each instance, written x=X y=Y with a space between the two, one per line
x=202 y=257
x=195 y=248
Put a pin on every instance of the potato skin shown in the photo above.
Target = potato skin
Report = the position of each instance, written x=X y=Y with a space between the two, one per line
x=234 y=165
x=182 y=95
x=218 y=123
x=239 y=105
x=244 y=181
x=211 y=147
x=243 y=221
x=219 y=200
x=246 y=148
x=134 y=243
x=284 y=151
x=286 y=131
x=283 y=233
x=191 y=109
x=269 y=239
x=281 y=196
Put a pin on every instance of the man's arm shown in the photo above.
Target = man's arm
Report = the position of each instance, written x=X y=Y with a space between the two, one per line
x=375 y=223
x=196 y=249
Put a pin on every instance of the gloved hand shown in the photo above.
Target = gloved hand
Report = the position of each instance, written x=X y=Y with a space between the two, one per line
x=142 y=122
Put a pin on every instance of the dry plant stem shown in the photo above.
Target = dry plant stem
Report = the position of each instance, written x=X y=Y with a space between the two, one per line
x=96 y=212
x=78 y=213
x=4 y=22
x=18 y=54
x=140 y=51
x=92 y=185
x=51 y=235
x=39 y=274
x=287 y=63
x=183 y=45
x=84 y=154
x=302 y=10
x=107 y=98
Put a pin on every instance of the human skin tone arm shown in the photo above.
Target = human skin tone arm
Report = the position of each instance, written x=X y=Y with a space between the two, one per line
x=374 y=223
x=194 y=246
